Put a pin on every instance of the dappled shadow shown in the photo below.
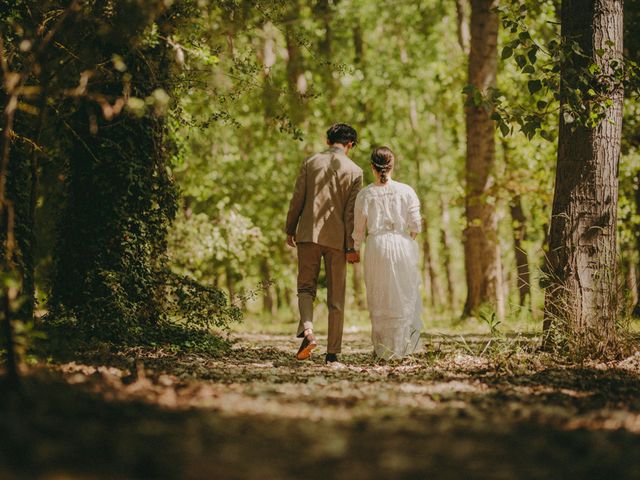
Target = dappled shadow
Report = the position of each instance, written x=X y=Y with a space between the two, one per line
x=258 y=413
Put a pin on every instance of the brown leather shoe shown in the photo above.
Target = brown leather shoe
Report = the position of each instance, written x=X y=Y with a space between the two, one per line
x=308 y=344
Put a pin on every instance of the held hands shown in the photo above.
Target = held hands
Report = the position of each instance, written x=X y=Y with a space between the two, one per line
x=353 y=257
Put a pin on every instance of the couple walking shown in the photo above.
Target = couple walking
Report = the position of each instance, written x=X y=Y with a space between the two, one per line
x=328 y=219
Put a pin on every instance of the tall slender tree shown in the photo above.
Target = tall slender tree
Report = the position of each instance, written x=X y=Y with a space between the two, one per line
x=582 y=249
x=482 y=261
x=519 y=231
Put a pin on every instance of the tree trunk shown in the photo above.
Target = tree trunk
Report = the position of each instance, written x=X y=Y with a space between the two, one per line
x=631 y=281
x=445 y=239
x=519 y=228
x=462 y=17
x=426 y=271
x=268 y=304
x=9 y=272
x=431 y=281
x=636 y=308
x=295 y=69
x=582 y=255
x=482 y=262
x=28 y=254
x=267 y=56
x=324 y=13
x=231 y=283
x=435 y=289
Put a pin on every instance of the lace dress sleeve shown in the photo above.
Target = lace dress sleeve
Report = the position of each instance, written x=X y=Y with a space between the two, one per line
x=414 y=222
x=360 y=221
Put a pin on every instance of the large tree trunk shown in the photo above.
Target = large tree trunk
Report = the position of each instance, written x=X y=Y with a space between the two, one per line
x=519 y=228
x=581 y=297
x=482 y=262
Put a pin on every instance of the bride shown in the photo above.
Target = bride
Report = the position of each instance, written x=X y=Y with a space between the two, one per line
x=389 y=212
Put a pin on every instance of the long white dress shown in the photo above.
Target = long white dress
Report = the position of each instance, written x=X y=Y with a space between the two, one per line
x=388 y=213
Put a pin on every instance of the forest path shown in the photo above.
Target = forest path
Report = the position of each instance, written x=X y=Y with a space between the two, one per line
x=257 y=413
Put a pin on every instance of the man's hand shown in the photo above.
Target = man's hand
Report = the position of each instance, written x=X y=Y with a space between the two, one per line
x=353 y=257
x=291 y=241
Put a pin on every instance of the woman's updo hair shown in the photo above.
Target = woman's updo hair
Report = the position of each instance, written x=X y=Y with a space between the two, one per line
x=382 y=160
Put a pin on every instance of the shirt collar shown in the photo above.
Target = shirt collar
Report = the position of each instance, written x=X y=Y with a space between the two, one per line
x=336 y=149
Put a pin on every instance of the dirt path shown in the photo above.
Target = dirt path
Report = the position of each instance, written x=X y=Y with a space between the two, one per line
x=257 y=413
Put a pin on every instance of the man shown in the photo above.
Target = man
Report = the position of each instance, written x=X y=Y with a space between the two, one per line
x=320 y=224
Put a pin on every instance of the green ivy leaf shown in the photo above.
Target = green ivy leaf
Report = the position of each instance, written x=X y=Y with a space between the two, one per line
x=507 y=52
x=546 y=135
x=477 y=97
x=534 y=86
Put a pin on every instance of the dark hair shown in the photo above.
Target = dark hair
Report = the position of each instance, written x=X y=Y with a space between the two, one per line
x=342 y=133
x=382 y=159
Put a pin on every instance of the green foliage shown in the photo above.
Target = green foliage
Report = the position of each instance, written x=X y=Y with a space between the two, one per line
x=224 y=100
x=104 y=84
x=201 y=247
x=539 y=54
x=197 y=306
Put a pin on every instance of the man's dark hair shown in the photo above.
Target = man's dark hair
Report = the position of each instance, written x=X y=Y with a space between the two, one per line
x=342 y=133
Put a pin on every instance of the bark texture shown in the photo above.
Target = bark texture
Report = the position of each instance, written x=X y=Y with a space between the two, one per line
x=582 y=293
x=482 y=261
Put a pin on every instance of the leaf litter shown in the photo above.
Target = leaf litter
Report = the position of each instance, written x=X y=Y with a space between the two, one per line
x=258 y=412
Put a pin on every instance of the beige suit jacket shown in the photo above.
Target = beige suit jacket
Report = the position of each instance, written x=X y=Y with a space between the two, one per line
x=321 y=209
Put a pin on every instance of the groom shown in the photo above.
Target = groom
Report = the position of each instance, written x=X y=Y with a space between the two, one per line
x=320 y=224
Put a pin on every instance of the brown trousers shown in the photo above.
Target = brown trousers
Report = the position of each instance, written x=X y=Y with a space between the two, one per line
x=335 y=266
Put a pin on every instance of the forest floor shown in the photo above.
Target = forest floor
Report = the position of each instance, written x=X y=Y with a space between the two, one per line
x=466 y=407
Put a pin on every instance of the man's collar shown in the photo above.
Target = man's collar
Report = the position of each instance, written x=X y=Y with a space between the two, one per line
x=337 y=148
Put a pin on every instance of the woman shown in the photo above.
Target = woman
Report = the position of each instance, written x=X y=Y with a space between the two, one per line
x=389 y=212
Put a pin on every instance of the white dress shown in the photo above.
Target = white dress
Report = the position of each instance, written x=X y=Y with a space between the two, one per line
x=389 y=213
